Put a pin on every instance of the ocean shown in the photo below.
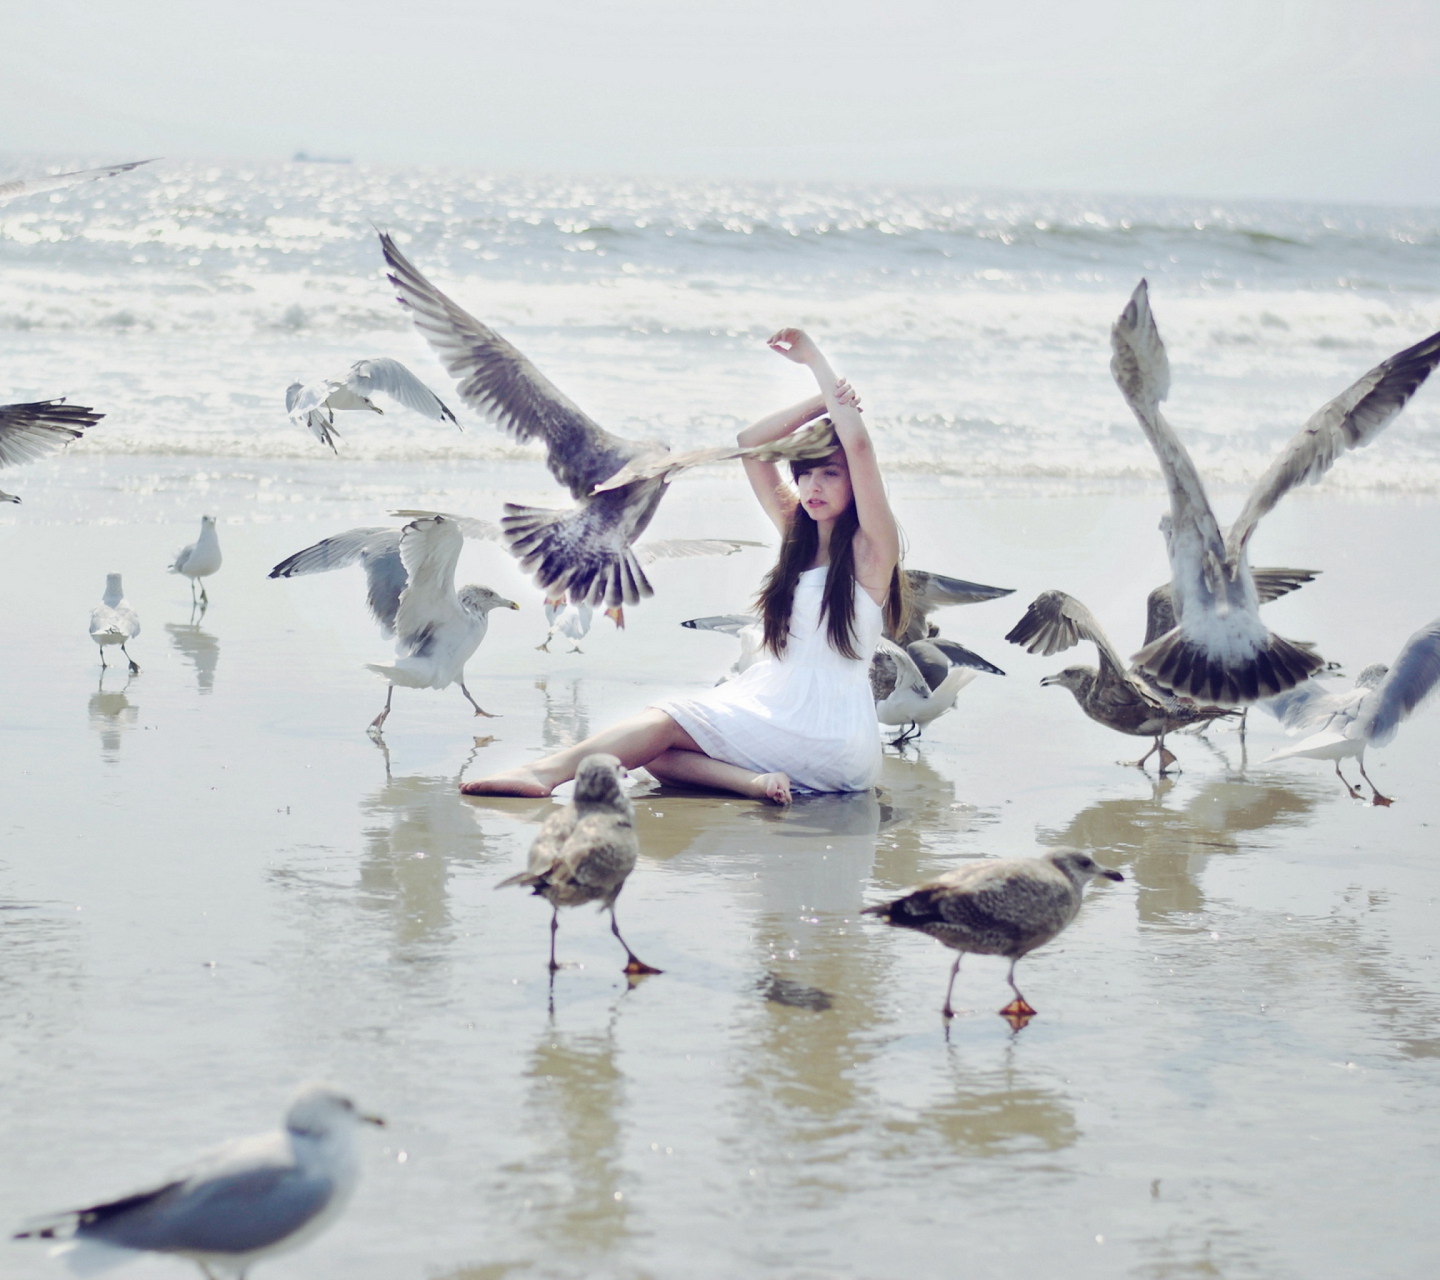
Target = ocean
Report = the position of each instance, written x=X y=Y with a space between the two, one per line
x=181 y=299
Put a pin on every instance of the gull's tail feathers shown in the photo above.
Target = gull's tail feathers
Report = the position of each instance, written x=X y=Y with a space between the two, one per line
x=1328 y=744
x=1188 y=668
x=556 y=547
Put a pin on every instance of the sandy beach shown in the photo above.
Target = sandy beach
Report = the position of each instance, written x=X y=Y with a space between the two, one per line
x=212 y=884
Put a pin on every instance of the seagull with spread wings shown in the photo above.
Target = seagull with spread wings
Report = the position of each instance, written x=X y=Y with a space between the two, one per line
x=1340 y=725
x=55 y=181
x=313 y=407
x=30 y=431
x=584 y=552
x=1219 y=649
x=931 y=591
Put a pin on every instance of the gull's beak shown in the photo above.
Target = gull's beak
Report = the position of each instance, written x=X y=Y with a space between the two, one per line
x=377 y=1121
x=1048 y=681
x=512 y=604
x=1110 y=875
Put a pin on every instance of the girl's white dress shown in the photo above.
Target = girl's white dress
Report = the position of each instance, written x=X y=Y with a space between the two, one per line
x=809 y=714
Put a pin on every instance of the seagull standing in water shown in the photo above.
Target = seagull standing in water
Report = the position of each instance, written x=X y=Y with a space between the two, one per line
x=1005 y=907
x=313 y=407
x=200 y=559
x=437 y=628
x=585 y=552
x=29 y=431
x=1340 y=725
x=248 y=1200
x=114 y=622
x=585 y=851
x=918 y=683
x=1220 y=650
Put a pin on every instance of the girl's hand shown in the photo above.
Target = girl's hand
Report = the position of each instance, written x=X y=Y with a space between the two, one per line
x=794 y=344
x=847 y=395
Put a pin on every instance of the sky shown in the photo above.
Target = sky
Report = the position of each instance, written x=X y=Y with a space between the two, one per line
x=1325 y=100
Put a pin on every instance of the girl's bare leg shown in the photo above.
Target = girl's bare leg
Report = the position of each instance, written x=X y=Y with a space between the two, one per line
x=634 y=742
x=689 y=768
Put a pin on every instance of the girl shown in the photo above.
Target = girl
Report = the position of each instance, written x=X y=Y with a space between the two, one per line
x=804 y=713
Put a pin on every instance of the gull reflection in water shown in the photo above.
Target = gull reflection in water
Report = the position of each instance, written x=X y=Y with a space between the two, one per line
x=201 y=649
x=567 y=717
x=111 y=714
x=1165 y=848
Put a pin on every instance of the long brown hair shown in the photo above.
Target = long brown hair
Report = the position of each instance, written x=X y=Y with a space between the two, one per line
x=798 y=547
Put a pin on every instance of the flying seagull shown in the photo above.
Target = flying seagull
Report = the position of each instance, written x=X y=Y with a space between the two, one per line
x=585 y=851
x=931 y=591
x=437 y=629
x=250 y=1199
x=30 y=431
x=313 y=406
x=584 y=552
x=1001 y=907
x=1220 y=650
x=1340 y=725
x=54 y=181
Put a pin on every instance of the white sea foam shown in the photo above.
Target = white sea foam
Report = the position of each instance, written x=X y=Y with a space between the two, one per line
x=976 y=325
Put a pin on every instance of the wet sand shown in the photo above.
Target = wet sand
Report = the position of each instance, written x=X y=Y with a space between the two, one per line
x=212 y=885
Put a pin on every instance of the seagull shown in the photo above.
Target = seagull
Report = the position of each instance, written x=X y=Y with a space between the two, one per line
x=29 y=431
x=1220 y=650
x=584 y=552
x=1002 y=907
x=1121 y=699
x=313 y=407
x=377 y=549
x=745 y=627
x=931 y=591
x=918 y=683
x=54 y=181
x=585 y=851
x=1340 y=725
x=200 y=559
x=437 y=628
x=114 y=622
x=250 y=1199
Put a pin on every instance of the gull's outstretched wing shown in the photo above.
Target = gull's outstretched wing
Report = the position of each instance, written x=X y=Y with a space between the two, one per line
x=930 y=591
x=891 y=668
x=366 y=377
x=683 y=548
x=957 y=654
x=429 y=549
x=728 y=624
x=1055 y=622
x=54 y=181
x=1270 y=584
x=1412 y=679
x=1350 y=421
x=30 y=431
x=469 y=526
x=501 y=384
x=306 y=407
x=814 y=441
x=377 y=548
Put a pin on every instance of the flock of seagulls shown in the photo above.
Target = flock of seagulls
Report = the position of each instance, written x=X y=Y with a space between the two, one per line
x=1207 y=655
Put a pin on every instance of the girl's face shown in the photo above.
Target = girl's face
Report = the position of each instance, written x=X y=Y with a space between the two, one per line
x=825 y=488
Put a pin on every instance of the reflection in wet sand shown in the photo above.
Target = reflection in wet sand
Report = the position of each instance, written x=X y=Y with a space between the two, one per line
x=567 y=717
x=1166 y=848
x=574 y=1179
x=200 y=647
x=111 y=714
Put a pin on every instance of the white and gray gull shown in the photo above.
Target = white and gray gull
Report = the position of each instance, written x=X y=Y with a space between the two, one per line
x=313 y=407
x=437 y=628
x=585 y=851
x=30 y=431
x=1220 y=650
x=1339 y=725
x=1005 y=907
x=113 y=621
x=200 y=559
x=246 y=1201
x=584 y=552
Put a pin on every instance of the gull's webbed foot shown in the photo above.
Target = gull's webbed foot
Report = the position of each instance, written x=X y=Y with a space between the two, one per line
x=1018 y=1008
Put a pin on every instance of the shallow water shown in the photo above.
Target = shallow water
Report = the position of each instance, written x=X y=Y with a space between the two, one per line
x=212 y=885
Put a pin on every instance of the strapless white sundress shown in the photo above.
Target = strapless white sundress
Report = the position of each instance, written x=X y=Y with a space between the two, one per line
x=809 y=714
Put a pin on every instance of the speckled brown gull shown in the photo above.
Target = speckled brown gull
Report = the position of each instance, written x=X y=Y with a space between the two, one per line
x=1006 y=907
x=250 y=1199
x=1221 y=650
x=585 y=851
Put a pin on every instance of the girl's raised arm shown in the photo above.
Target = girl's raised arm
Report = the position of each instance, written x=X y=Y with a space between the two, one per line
x=764 y=477
x=877 y=544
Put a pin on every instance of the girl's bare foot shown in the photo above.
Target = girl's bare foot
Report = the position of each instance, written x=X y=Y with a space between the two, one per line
x=774 y=787
x=513 y=782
